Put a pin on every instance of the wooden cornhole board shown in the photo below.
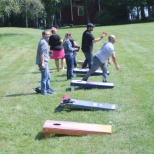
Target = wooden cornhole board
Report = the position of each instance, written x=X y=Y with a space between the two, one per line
x=84 y=71
x=87 y=84
x=81 y=104
x=74 y=128
x=80 y=63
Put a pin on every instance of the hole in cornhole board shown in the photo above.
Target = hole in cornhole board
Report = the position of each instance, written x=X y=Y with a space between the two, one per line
x=56 y=124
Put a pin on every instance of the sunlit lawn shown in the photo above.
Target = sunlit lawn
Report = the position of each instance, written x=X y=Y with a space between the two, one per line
x=23 y=112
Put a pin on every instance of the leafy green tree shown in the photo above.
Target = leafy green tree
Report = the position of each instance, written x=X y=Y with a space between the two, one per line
x=112 y=12
x=29 y=8
x=52 y=9
x=34 y=7
x=140 y=6
x=88 y=6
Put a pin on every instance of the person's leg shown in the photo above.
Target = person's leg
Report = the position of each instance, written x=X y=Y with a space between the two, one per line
x=71 y=66
x=84 y=65
x=74 y=57
x=47 y=78
x=57 y=64
x=90 y=59
x=95 y=66
x=67 y=64
x=104 y=70
x=44 y=76
x=62 y=64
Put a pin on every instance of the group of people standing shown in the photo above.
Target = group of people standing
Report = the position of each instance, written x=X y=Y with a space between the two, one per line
x=66 y=49
x=63 y=49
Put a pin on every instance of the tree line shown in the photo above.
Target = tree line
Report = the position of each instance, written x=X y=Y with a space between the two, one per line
x=36 y=13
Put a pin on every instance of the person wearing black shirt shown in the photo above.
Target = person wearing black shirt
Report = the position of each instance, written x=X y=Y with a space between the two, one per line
x=56 y=49
x=87 y=45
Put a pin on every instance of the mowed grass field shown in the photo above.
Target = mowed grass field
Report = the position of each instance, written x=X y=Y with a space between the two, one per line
x=23 y=112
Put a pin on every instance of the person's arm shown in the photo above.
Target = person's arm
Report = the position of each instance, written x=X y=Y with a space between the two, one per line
x=61 y=41
x=109 y=61
x=74 y=42
x=42 y=61
x=115 y=61
x=98 y=39
x=43 y=48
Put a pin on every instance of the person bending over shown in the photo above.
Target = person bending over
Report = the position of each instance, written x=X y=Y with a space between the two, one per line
x=99 y=60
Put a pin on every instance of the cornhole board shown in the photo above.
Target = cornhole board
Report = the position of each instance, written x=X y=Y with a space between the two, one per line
x=87 y=84
x=84 y=71
x=80 y=63
x=81 y=104
x=74 y=128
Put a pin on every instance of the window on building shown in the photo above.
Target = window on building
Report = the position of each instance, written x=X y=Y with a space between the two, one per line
x=80 y=11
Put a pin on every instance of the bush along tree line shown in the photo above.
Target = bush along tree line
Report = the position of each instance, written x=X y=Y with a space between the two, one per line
x=44 y=13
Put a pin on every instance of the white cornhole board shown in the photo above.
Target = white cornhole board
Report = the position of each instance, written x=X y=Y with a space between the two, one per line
x=81 y=104
x=84 y=71
x=87 y=84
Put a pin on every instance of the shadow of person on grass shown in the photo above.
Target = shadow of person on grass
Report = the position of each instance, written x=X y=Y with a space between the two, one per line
x=16 y=95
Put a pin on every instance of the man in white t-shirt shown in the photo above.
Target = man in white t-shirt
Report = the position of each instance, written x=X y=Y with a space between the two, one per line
x=99 y=60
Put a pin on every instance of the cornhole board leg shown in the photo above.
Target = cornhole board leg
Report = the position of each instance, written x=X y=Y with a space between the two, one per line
x=74 y=75
x=46 y=135
x=81 y=104
x=59 y=108
x=74 y=128
x=72 y=88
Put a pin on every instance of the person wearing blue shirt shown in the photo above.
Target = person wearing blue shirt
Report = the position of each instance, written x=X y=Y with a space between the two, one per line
x=69 y=55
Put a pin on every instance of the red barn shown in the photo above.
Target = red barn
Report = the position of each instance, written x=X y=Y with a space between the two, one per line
x=75 y=13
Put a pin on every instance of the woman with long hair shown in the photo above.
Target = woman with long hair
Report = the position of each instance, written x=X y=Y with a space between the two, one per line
x=69 y=55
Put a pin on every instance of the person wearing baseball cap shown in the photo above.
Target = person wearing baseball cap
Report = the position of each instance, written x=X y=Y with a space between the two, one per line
x=87 y=45
x=90 y=25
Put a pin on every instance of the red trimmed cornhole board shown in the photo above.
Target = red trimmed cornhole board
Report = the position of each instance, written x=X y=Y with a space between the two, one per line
x=87 y=84
x=74 y=128
x=87 y=105
x=77 y=71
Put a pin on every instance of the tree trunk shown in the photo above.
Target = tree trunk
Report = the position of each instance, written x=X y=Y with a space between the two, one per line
x=26 y=18
x=142 y=12
x=149 y=10
x=137 y=13
x=87 y=11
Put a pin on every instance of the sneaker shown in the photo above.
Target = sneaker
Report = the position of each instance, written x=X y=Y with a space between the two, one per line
x=37 y=89
x=69 y=78
x=84 y=79
x=51 y=91
x=104 y=80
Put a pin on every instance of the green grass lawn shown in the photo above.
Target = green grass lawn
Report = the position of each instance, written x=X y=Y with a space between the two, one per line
x=23 y=112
